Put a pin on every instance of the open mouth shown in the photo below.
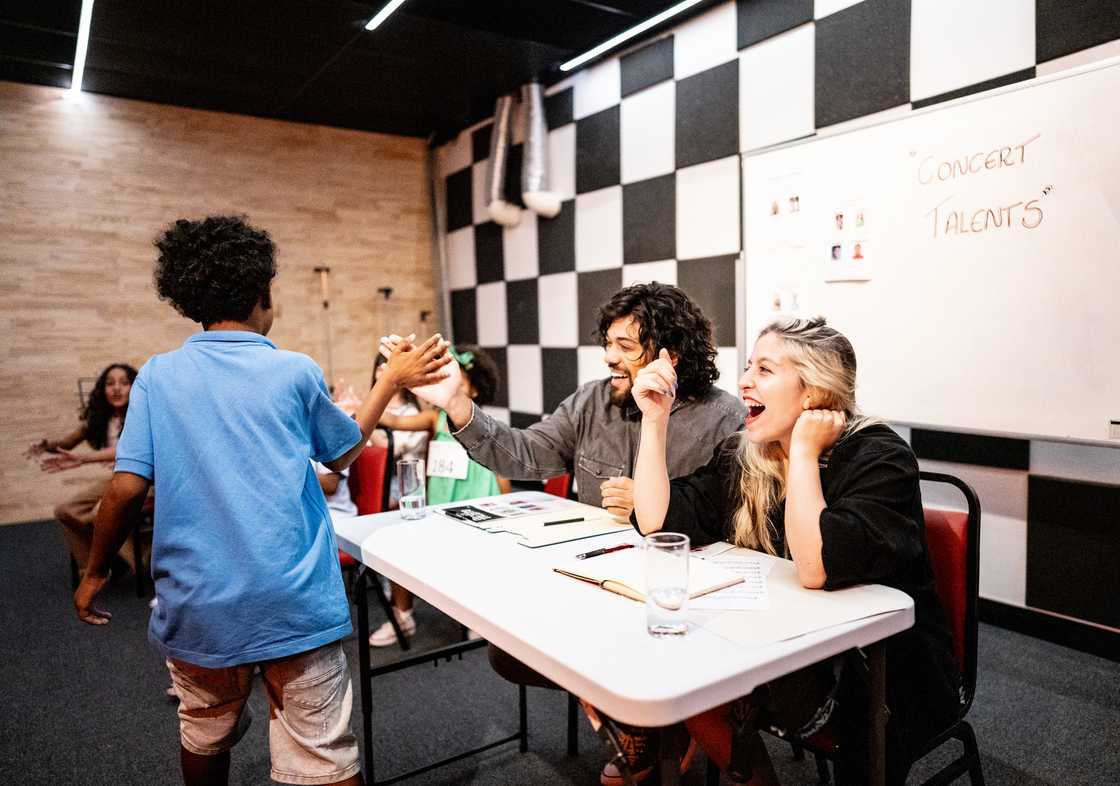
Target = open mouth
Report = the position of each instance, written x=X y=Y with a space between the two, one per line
x=618 y=380
x=754 y=409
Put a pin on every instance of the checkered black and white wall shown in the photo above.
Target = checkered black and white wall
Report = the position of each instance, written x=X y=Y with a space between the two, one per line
x=645 y=147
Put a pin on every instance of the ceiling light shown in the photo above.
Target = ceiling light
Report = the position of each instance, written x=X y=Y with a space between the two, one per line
x=83 y=45
x=383 y=14
x=638 y=29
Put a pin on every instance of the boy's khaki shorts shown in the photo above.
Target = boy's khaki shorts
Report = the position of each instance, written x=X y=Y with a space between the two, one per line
x=310 y=700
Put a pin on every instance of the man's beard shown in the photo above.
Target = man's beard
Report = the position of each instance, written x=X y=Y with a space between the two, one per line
x=622 y=398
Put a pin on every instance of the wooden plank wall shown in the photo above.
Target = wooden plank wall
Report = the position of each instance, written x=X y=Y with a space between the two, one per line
x=87 y=182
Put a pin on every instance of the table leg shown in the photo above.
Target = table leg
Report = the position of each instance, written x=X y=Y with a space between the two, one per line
x=362 y=600
x=876 y=714
x=669 y=753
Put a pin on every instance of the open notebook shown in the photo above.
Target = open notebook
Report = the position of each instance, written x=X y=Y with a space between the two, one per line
x=624 y=572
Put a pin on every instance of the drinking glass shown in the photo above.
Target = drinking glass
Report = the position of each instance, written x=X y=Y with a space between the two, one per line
x=666 y=558
x=410 y=476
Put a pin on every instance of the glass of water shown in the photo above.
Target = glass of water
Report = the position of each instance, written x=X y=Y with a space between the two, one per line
x=410 y=476
x=666 y=558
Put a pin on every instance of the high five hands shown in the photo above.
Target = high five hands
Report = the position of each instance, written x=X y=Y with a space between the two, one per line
x=655 y=387
x=437 y=391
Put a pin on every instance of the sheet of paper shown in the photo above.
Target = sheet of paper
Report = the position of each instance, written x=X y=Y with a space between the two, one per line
x=750 y=595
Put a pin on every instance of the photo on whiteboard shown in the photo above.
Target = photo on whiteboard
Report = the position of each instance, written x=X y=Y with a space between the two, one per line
x=839 y=221
x=859 y=219
x=836 y=252
x=849 y=261
x=795 y=204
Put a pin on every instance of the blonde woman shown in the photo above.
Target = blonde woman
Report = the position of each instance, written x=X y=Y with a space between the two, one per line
x=812 y=480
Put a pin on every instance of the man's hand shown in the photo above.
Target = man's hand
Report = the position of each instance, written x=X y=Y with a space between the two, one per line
x=446 y=393
x=84 y=597
x=412 y=367
x=618 y=496
x=60 y=460
x=655 y=387
x=815 y=431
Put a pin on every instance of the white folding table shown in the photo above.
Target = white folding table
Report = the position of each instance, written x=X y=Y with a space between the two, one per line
x=591 y=642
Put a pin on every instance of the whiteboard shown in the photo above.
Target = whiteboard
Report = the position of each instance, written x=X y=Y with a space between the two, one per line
x=989 y=256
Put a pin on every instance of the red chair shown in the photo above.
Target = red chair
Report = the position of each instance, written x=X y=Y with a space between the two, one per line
x=953 y=539
x=559 y=486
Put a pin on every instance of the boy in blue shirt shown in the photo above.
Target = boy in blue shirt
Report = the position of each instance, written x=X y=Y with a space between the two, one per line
x=243 y=555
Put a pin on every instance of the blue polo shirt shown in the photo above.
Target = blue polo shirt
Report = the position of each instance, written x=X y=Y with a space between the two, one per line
x=243 y=555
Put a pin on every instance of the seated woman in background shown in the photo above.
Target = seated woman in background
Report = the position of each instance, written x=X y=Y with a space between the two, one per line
x=406 y=444
x=812 y=480
x=101 y=424
x=479 y=382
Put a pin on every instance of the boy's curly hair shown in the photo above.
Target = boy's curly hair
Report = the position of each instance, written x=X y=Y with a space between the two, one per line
x=215 y=269
x=667 y=319
x=482 y=372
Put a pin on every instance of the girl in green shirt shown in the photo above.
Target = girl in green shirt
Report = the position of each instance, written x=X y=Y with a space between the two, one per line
x=480 y=382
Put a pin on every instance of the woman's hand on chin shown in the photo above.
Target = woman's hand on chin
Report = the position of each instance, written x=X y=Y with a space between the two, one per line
x=815 y=431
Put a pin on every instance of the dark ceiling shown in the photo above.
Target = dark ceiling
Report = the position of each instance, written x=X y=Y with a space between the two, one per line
x=434 y=66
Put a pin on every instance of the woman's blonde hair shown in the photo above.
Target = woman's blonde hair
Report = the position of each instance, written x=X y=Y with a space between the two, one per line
x=826 y=363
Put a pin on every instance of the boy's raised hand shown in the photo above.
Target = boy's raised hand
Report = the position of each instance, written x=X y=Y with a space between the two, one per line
x=412 y=367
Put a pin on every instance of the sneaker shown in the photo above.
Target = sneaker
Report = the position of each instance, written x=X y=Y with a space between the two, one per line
x=637 y=745
x=385 y=636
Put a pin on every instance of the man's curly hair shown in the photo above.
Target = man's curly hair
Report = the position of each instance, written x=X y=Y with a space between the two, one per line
x=215 y=269
x=667 y=319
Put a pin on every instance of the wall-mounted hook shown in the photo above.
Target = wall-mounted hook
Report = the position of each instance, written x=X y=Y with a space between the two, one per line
x=424 y=314
x=386 y=292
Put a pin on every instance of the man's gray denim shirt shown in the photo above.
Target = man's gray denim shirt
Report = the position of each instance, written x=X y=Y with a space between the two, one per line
x=599 y=440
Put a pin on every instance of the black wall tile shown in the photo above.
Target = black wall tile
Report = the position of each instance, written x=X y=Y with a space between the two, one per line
x=1066 y=26
x=983 y=451
x=979 y=87
x=707 y=120
x=464 y=317
x=512 y=188
x=556 y=241
x=593 y=290
x=598 y=151
x=649 y=219
x=521 y=312
x=1073 y=548
x=480 y=143
x=501 y=397
x=460 y=206
x=560 y=375
x=862 y=60
x=489 y=261
x=558 y=109
x=523 y=419
x=710 y=283
x=647 y=67
x=761 y=19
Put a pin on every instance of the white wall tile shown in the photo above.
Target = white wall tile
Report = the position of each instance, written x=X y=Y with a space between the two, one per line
x=599 y=229
x=562 y=161
x=524 y=384
x=1084 y=57
x=664 y=271
x=589 y=361
x=825 y=7
x=886 y=115
x=460 y=259
x=558 y=310
x=500 y=414
x=490 y=304
x=1076 y=462
x=902 y=431
x=648 y=121
x=480 y=215
x=708 y=209
x=705 y=41
x=727 y=361
x=596 y=88
x=456 y=154
x=1003 y=559
x=998 y=39
x=519 y=247
x=776 y=89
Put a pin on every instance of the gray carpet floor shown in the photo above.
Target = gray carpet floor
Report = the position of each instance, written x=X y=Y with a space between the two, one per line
x=82 y=705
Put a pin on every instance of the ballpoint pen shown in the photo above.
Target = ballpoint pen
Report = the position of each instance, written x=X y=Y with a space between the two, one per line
x=598 y=552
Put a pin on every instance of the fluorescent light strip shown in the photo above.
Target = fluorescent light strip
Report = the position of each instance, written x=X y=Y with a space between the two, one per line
x=383 y=14
x=638 y=29
x=83 y=45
